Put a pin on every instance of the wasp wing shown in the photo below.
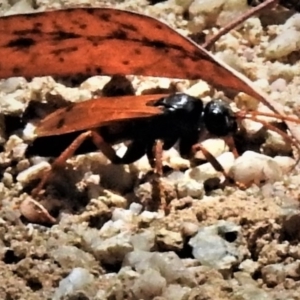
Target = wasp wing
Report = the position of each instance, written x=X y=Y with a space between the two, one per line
x=98 y=112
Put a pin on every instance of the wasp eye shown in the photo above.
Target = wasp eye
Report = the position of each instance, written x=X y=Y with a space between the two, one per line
x=218 y=118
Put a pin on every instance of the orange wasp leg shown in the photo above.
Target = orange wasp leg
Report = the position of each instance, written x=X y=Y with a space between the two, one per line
x=59 y=161
x=106 y=149
x=231 y=144
x=154 y=155
x=277 y=130
x=158 y=153
x=216 y=165
x=209 y=157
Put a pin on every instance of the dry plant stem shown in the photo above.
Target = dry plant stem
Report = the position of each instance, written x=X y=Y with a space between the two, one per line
x=208 y=44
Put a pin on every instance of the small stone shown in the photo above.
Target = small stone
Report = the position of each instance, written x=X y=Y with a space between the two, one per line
x=273 y=274
x=293 y=270
x=189 y=229
x=122 y=214
x=285 y=163
x=169 y=265
x=251 y=127
x=135 y=208
x=12 y=104
x=247 y=288
x=275 y=143
x=205 y=7
x=217 y=246
x=279 y=85
x=7 y=179
x=244 y=101
x=169 y=240
x=95 y=84
x=190 y=188
x=16 y=147
x=29 y=132
x=34 y=172
x=148 y=216
x=111 y=250
x=249 y=266
x=176 y=292
x=112 y=199
x=71 y=256
x=253 y=167
x=199 y=89
x=34 y=212
x=287 y=41
x=76 y=280
x=178 y=163
x=149 y=285
x=22 y=165
x=144 y=241
x=12 y=84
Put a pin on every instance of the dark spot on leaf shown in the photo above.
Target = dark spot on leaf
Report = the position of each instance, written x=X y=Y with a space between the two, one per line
x=63 y=35
x=95 y=40
x=16 y=70
x=125 y=62
x=64 y=51
x=179 y=63
x=105 y=17
x=21 y=43
x=199 y=55
x=137 y=51
x=129 y=27
x=119 y=34
x=27 y=31
x=156 y=44
x=90 y=11
x=61 y=59
x=60 y=123
x=98 y=70
x=38 y=24
x=158 y=26
x=82 y=26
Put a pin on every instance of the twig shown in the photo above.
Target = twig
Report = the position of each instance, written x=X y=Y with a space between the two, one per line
x=208 y=44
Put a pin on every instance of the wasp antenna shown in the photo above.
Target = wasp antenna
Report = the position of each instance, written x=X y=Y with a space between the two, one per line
x=277 y=130
x=243 y=114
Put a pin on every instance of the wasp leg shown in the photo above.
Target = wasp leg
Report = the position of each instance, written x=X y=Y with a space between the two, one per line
x=231 y=144
x=58 y=162
x=134 y=151
x=154 y=154
x=217 y=166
